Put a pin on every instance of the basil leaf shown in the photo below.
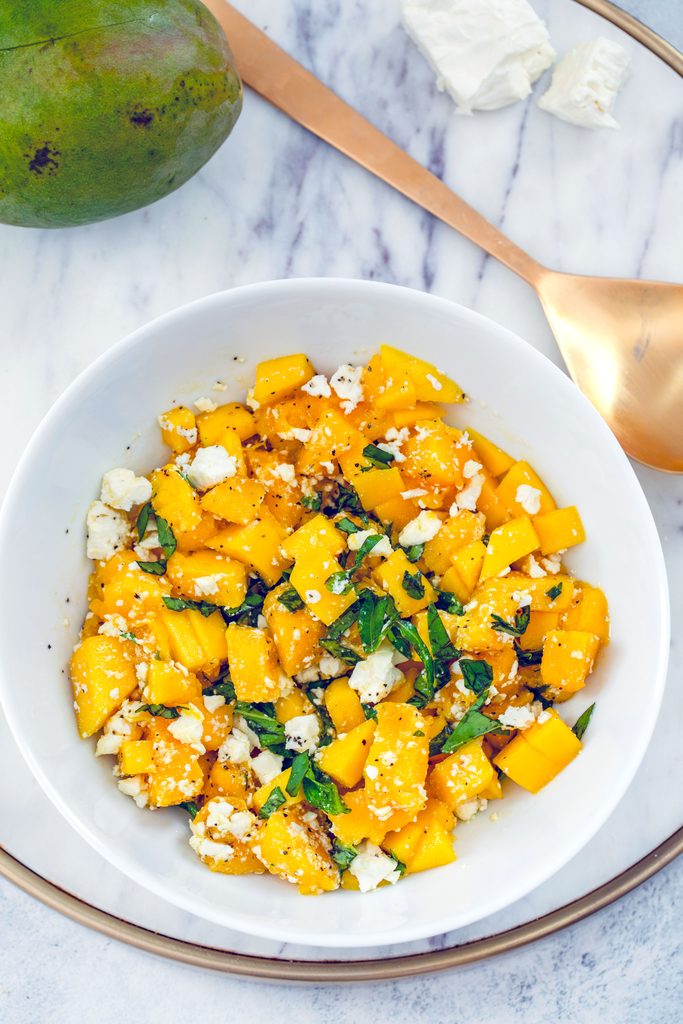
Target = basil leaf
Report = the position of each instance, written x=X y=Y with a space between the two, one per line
x=374 y=618
x=248 y=612
x=369 y=711
x=439 y=640
x=477 y=675
x=366 y=547
x=399 y=642
x=399 y=863
x=409 y=633
x=143 y=518
x=153 y=568
x=160 y=711
x=377 y=456
x=130 y=636
x=582 y=722
x=347 y=526
x=261 y=720
x=485 y=539
x=291 y=600
x=339 y=582
x=312 y=501
x=167 y=539
x=342 y=855
x=337 y=650
x=191 y=807
x=347 y=500
x=470 y=726
x=181 y=604
x=344 y=622
x=437 y=742
x=520 y=624
x=528 y=657
x=414 y=553
x=449 y=603
x=321 y=792
x=276 y=799
x=413 y=584
x=301 y=765
x=554 y=591
x=222 y=689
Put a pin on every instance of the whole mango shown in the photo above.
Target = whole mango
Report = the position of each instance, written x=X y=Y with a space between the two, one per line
x=107 y=105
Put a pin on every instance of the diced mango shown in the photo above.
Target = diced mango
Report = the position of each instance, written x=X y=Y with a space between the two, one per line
x=434 y=455
x=457 y=532
x=525 y=765
x=174 y=500
x=507 y=543
x=461 y=776
x=228 y=779
x=196 y=641
x=296 y=634
x=136 y=757
x=237 y=500
x=170 y=684
x=103 y=675
x=276 y=378
x=540 y=624
x=489 y=503
x=257 y=545
x=195 y=539
x=253 y=663
x=344 y=758
x=378 y=486
x=208 y=576
x=294 y=849
x=588 y=612
x=309 y=577
x=462 y=577
x=212 y=426
x=176 y=775
x=553 y=738
x=431 y=385
x=493 y=458
x=390 y=575
x=416 y=414
x=559 y=529
x=361 y=821
x=279 y=782
x=294 y=704
x=343 y=705
x=178 y=429
x=320 y=533
x=217 y=725
x=399 y=739
x=568 y=657
x=397 y=511
x=521 y=474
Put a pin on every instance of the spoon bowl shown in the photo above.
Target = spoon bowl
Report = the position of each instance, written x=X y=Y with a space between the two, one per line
x=622 y=341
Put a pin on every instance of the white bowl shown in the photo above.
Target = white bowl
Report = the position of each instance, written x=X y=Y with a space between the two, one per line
x=108 y=418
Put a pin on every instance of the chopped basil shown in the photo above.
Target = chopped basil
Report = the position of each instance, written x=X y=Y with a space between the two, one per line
x=181 y=604
x=425 y=684
x=291 y=600
x=248 y=612
x=153 y=568
x=369 y=711
x=337 y=650
x=413 y=584
x=366 y=547
x=143 y=518
x=399 y=863
x=418 y=732
x=439 y=640
x=160 y=711
x=377 y=456
x=191 y=807
x=520 y=624
x=477 y=675
x=347 y=500
x=262 y=719
x=414 y=553
x=321 y=792
x=554 y=591
x=167 y=539
x=449 y=603
x=223 y=688
x=375 y=616
x=347 y=526
x=342 y=855
x=312 y=501
x=300 y=766
x=340 y=582
x=582 y=722
x=485 y=539
x=525 y=658
x=470 y=726
x=437 y=742
x=276 y=799
x=130 y=636
x=344 y=622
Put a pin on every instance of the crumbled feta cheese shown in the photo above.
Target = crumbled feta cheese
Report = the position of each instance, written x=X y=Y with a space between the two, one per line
x=346 y=382
x=296 y=434
x=471 y=468
x=135 y=786
x=207 y=586
x=467 y=810
x=529 y=498
x=585 y=84
x=317 y=387
x=419 y=530
x=434 y=381
x=312 y=596
x=141 y=671
x=552 y=563
x=213 y=702
x=108 y=530
x=517 y=718
x=210 y=848
x=382 y=547
x=302 y=733
x=219 y=386
x=266 y=766
x=122 y=489
x=535 y=570
x=416 y=492
x=467 y=498
x=284 y=471
x=113 y=625
x=485 y=53
x=331 y=667
x=375 y=677
x=371 y=866
x=223 y=819
x=392 y=448
x=251 y=401
x=147 y=548
x=188 y=433
x=205 y=405
x=522 y=597
x=188 y=728
x=236 y=748
x=241 y=725
x=210 y=466
x=311 y=674
x=109 y=743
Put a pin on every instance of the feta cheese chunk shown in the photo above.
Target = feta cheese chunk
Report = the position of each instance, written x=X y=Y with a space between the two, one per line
x=517 y=718
x=108 y=530
x=317 y=387
x=529 y=498
x=382 y=547
x=235 y=748
x=585 y=84
x=122 y=489
x=267 y=766
x=188 y=728
x=371 y=866
x=485 y=53
x=467 y=498
x=346 y=383
x=302 y=733
x=375 y=678
x=210 y=466
x=205 y=405
x=419 y=530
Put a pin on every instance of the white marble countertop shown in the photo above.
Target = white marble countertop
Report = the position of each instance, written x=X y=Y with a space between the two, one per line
x=67 y=296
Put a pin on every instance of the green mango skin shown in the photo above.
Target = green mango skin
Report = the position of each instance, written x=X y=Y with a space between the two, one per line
x=107 y=105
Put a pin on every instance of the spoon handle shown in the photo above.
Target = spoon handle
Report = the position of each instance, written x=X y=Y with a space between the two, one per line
x=289 y=86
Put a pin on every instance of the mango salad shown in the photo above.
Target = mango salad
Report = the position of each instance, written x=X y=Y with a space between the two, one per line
x=332 y=626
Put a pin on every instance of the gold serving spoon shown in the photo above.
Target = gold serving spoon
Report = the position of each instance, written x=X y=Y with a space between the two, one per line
x=622 y=340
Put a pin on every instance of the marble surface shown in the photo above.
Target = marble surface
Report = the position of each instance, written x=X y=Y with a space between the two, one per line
x=274 y=202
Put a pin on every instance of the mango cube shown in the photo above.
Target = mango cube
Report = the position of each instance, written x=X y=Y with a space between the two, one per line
x=276 y=378
x=253 y=664
x=560 y=529
x=507 y=543
x=390 y=575
x=103 y=675
x=568 y=657
x=344 y=758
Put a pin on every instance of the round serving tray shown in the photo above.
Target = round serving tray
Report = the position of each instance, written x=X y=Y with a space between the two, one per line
x=391 y=967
